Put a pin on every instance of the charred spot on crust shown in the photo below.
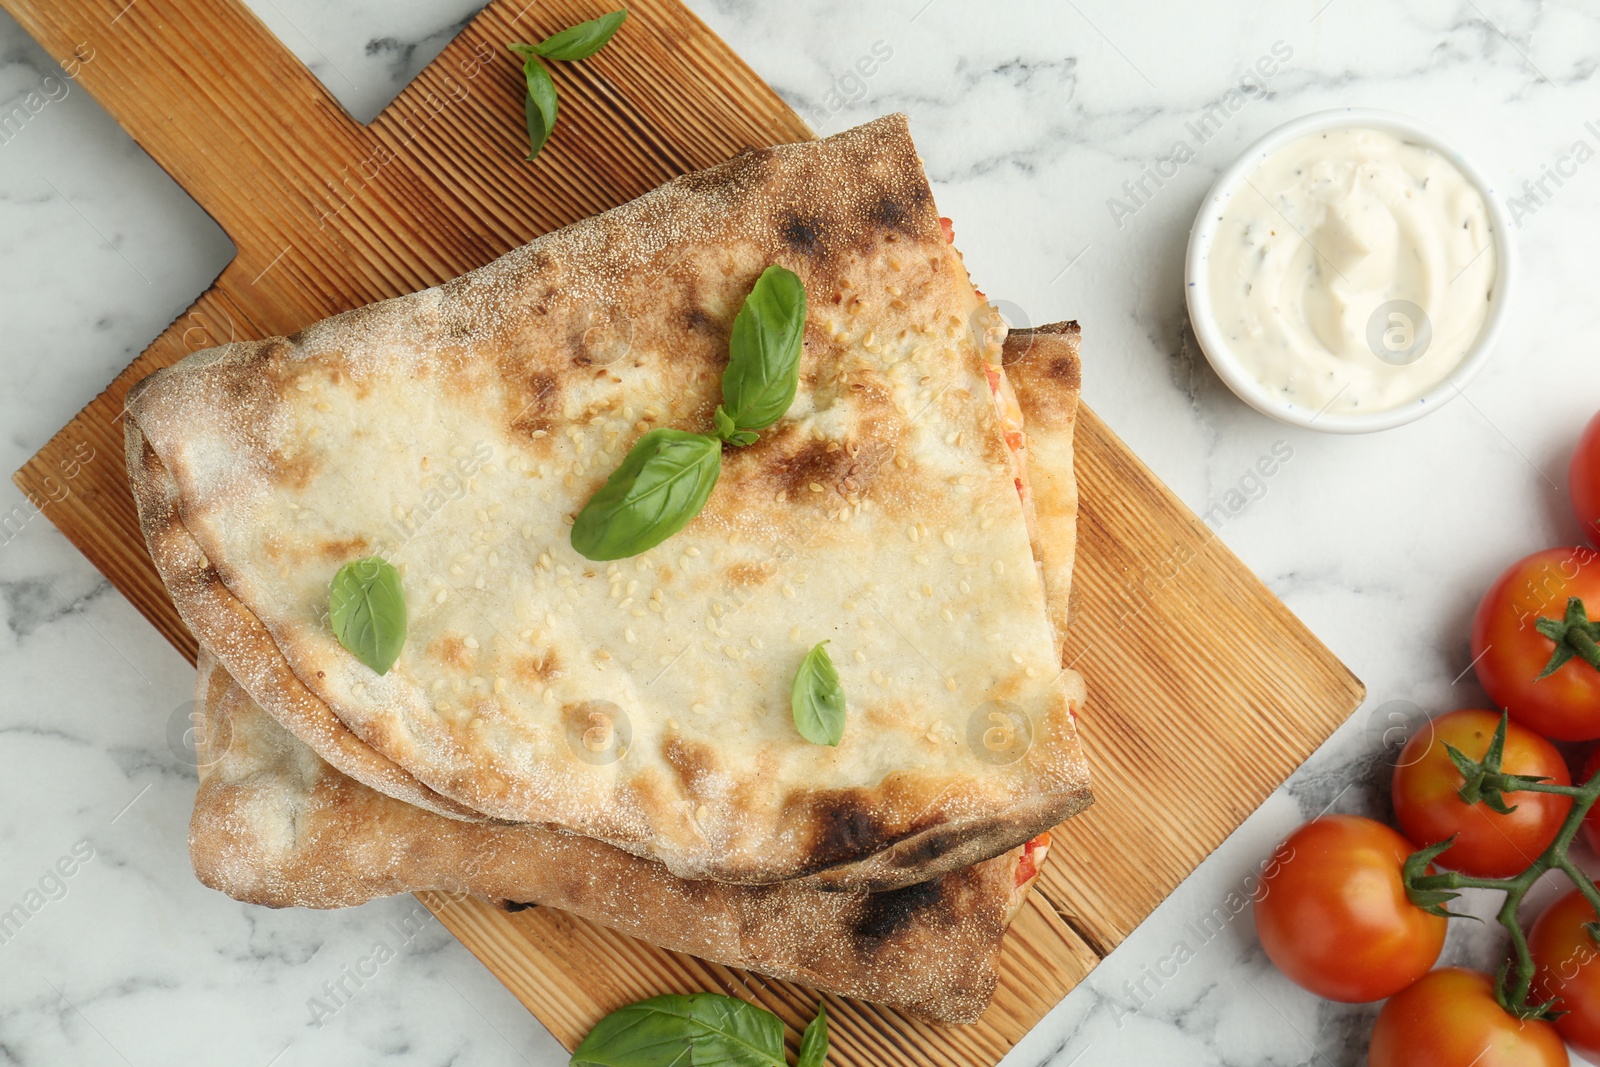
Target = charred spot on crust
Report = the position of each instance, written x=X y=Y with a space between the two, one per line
x=926 y=847
x=786 y=462
x=846 y=829
x=802 y=233
x=539 y=410
x=900 y=215
x=884 y=915
x=516 y=906
x=1065 y=370
x=812 y=463
x=696 y=320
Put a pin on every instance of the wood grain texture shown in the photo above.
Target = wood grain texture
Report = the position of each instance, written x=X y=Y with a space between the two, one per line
x=1190 y=659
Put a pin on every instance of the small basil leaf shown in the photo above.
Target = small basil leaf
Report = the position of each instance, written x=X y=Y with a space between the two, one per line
x=663 y=483
x=683 y=1031
x=582 y=40
x=367 y=608
x=541 y=106
x=814 y=1044
x=729 y=431
x=817 y=699
x=764 y=352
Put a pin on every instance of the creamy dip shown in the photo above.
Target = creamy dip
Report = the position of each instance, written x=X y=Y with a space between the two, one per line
x=1352 y=271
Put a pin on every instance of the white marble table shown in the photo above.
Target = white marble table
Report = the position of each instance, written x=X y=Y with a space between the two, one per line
x=1030 y=116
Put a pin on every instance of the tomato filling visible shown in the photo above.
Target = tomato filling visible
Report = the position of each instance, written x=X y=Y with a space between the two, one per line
x=1006 y=406
x=1010 y=412
x=1033 y=854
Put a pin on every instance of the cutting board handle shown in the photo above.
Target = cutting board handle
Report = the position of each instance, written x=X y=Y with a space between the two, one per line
x=152 y=64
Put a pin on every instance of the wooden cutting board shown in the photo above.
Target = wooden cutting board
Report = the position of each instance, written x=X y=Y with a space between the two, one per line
x=1191 y=662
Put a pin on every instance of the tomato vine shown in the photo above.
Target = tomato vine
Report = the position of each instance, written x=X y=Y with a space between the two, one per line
x=1485 y=781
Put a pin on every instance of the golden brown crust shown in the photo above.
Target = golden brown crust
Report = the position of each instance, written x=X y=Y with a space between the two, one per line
x=880 y=515
x=1044 y=368
x=208 y=608
x=275 y=825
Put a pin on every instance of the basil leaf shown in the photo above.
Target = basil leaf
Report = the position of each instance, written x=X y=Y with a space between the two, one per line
x=578 y=42
x=540 y=107
x=763 y=370
x=814 y=1044
x=694 y=1030
x=817 y=699
x=367 y=607
x=662 y=484
x=582 y=40
x=729 y=431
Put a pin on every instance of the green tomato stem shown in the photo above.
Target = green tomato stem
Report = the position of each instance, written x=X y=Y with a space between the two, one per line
x=1585 y=646
x=1573 y=634
x=1573 y=791
x=1516 y=998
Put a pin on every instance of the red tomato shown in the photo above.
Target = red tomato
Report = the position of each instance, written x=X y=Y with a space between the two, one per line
x=1569 y=969
x=1583 y=479
x=1332 y=911
x=1033 y=854
x=1488 y=844
x=1510 y=652
x=1450 y=1019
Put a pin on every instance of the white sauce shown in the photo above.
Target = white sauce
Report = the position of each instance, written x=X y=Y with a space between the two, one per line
x=1313 y=253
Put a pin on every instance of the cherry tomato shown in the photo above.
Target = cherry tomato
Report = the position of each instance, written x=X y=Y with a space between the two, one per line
x=1332 y=912
x=1583 y=479
x=1510 y=652
x=1450 y=1018
x=1569 y=969
x=1488 y=844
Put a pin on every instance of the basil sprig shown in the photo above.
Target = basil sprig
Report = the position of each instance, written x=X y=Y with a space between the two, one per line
x=763 y=370
x=668 y=475
x=578 y=42
x=662 y=484
x=367 y=608
x=817 y=699
x=698 y=1028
